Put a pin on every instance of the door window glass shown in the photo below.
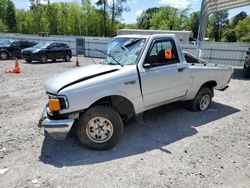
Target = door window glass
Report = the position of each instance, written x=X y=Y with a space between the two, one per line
x=163 y=52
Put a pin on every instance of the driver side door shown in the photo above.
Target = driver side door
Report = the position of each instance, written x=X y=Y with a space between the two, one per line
x=163 y=76
x=15 y=49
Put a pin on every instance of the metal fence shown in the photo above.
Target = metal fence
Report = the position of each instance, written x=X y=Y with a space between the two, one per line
x=213 y=52
x=220 y=52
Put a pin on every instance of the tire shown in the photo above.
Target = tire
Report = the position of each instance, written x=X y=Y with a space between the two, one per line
x=43 y=59
x=4 y=56
x=246 y=73
x=100 y=128
x=67 y=58
x=28 y=61
x=202 y=100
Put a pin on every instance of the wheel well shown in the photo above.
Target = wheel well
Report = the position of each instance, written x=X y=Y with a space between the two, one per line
x=210 y=84
x=121 y=104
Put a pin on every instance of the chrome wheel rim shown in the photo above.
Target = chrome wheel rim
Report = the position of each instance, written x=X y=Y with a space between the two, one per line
x=4 y=56
x=99 y=129
x=204 y=102
x=67 y=58
x=44 y=59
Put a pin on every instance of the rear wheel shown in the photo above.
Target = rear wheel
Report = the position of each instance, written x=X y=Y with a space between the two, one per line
x=43 y=59
x=202 y=100
x=4 y=55
x=100 y=128
x=28 y=61
x=67 y=58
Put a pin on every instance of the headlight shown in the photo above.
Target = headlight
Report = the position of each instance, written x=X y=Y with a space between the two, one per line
x=57 y=103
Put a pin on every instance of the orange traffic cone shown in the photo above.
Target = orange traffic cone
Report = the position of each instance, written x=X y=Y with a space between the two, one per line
x=16 y=63
x=17 y=68
x=77 y=62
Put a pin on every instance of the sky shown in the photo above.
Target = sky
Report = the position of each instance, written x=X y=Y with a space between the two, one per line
x=137 y=6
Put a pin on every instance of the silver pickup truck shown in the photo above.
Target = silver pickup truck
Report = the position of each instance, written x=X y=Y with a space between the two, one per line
x=139 y=73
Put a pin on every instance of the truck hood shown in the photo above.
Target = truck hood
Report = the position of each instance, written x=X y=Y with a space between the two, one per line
x=4 y=46
x=58 y=82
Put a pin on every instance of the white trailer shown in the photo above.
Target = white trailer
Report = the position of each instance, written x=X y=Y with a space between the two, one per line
x=183 y=36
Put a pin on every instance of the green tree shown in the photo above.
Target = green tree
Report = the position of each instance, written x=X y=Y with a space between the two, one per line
x=143 y=21
x=194 y=24
x=103 y=11
x=170 y=18
x=243 y=30
x=229 y=35
x=2 y=26
x=218 y=22
x=117 y=7
x=241 y=16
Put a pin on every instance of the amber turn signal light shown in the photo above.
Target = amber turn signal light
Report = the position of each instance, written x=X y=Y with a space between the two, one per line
x=54 y=105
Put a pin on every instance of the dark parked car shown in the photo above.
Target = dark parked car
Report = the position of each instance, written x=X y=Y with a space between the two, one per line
x=246 y=68
x=44 y=51
x=12 y=48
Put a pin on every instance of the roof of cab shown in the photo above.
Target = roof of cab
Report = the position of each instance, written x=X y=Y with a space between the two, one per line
x=144 y=36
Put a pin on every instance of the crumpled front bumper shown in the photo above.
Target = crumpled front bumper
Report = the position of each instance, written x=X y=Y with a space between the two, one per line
x=57 y=129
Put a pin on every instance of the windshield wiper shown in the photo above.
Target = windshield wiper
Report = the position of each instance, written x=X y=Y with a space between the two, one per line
x=109 y=55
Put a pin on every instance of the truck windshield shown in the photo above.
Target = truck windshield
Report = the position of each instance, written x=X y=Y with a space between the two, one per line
x=124 y=50
x=41 y=45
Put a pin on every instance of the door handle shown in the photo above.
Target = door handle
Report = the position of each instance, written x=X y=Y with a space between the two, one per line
x=130 y=82
x=181 y=69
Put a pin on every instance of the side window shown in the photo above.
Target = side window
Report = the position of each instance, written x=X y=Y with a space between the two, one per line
x=59 y=45
x=190 y=59
x=25 y=44
x=163 y=52
x=65 y=46
x=52 y=46
x=15 y=44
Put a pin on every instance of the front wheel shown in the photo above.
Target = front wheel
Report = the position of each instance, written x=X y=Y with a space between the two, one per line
x=67 y=58
x=43 y=59
x=28 y=61
x=202 y=100
x=4 y=55
x=100 y=128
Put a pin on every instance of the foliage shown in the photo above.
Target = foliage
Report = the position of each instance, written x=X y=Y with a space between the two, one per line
x=143 y=21
x=2 y=26
x=218 y=22
x=170 y=18
x=229 y=36
x=8 y=15
x=241 y=16
x=243 y=30
x=194 y=23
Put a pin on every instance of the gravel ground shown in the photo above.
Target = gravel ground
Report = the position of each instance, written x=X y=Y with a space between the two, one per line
x=174 y=147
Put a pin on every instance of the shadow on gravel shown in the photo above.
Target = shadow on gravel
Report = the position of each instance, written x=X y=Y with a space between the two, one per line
x=240 y=75
x=162 y=126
